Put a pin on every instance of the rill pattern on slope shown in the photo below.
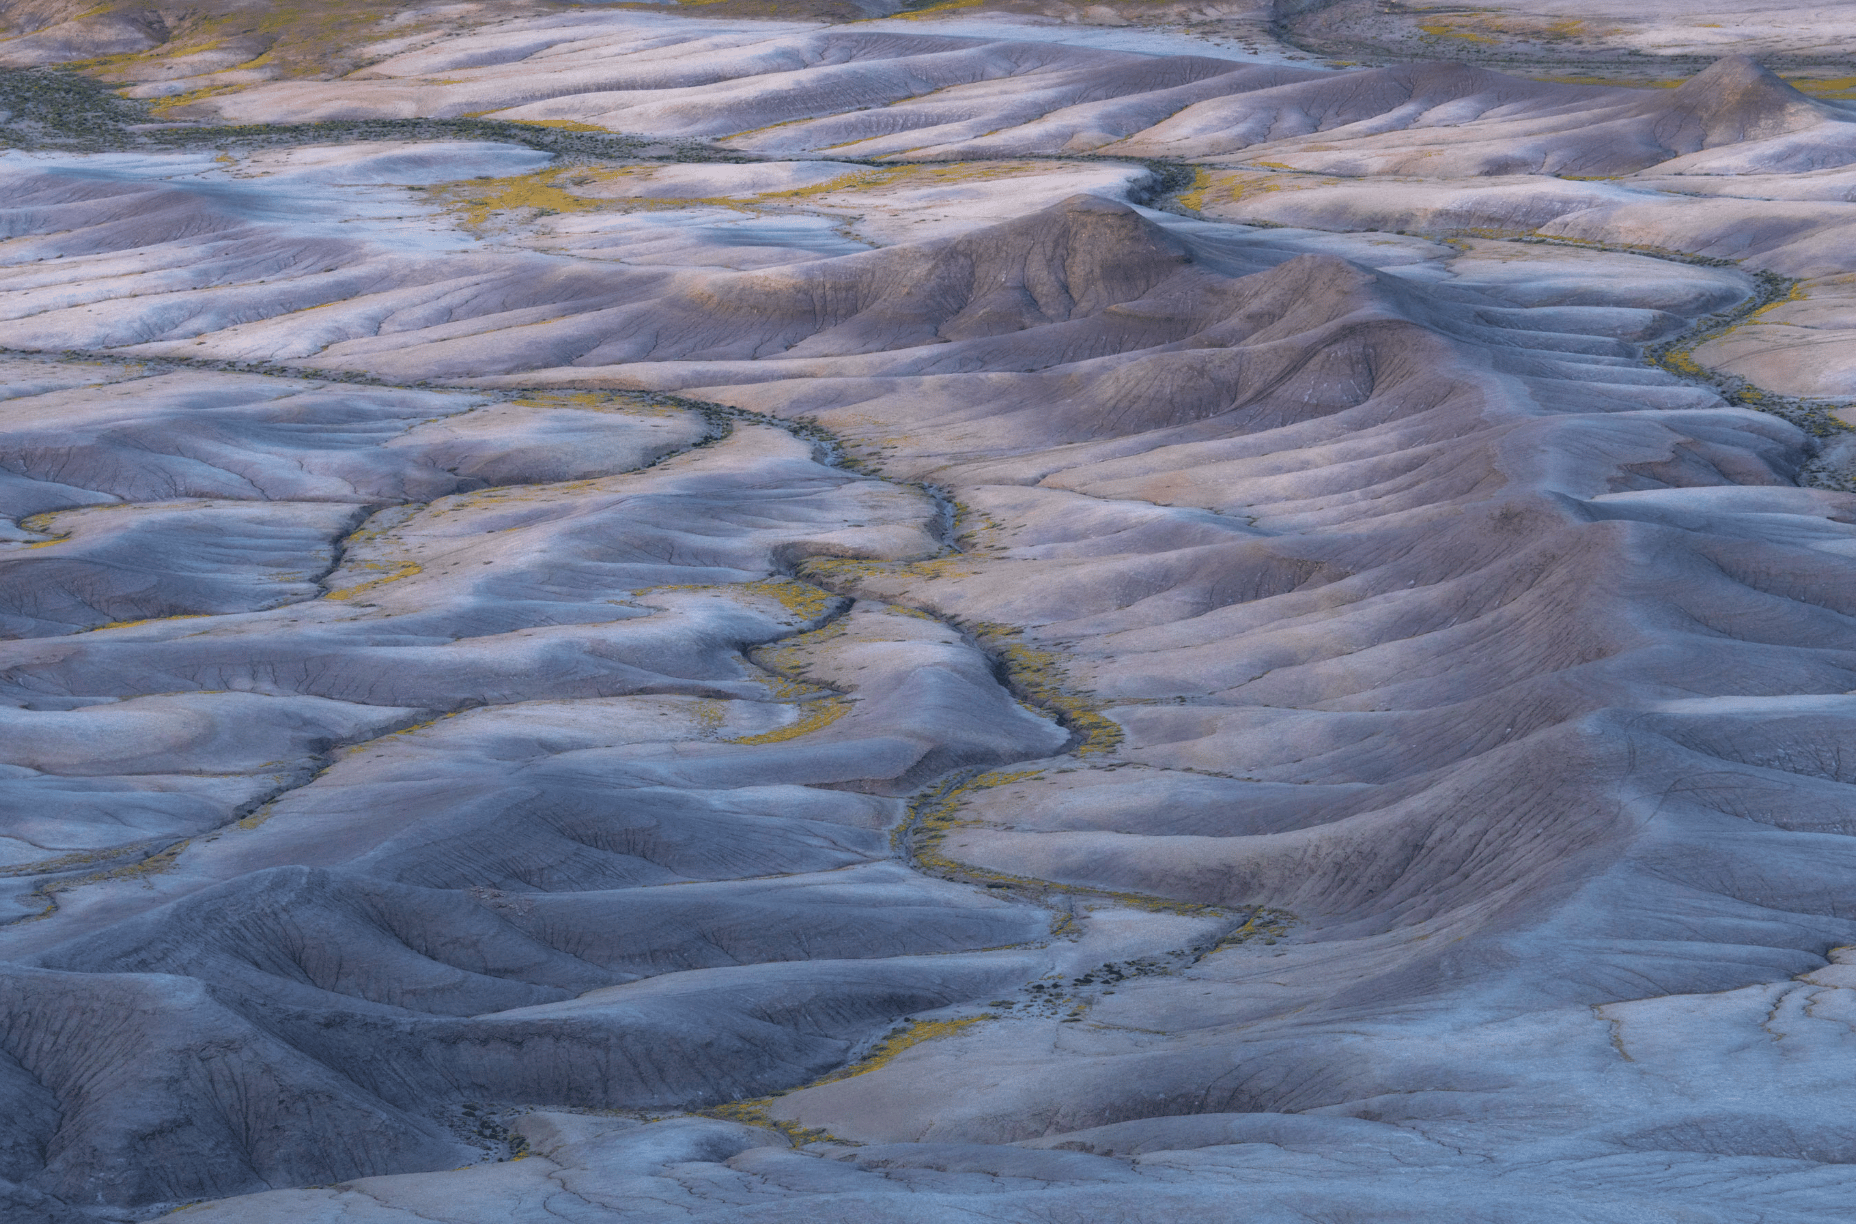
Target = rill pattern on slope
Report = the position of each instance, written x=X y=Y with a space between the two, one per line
x=1379 y=581
x=704 y=697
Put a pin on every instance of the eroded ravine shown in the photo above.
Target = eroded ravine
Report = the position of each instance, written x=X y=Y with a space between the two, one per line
x=936 y=812
x=369 y=574
x=1423 y=632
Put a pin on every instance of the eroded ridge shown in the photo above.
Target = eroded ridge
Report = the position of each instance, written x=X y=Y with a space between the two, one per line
x=1031 y=628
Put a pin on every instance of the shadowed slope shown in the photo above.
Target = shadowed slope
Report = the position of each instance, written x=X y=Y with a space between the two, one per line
x=1436 y=759
x=1415 y=601
x=367 y=923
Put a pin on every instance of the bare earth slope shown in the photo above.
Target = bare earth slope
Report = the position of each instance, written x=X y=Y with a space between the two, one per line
x=836 y=659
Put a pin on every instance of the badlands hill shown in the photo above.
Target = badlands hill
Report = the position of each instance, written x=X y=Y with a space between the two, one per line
x=1002 y=614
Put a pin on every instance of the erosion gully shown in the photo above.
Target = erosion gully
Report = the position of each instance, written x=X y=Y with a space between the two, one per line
x=1035 y=676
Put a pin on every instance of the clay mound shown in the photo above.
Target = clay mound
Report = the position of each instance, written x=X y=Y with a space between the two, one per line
x=163 y=1051
x=1447 y=119
x=1088 y=280
x=154 y=1099
x=190 y=560
x=1381 y=99
x=1074 y=260
x=58 y=33
x=1732 y=101
x=1312 y=337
